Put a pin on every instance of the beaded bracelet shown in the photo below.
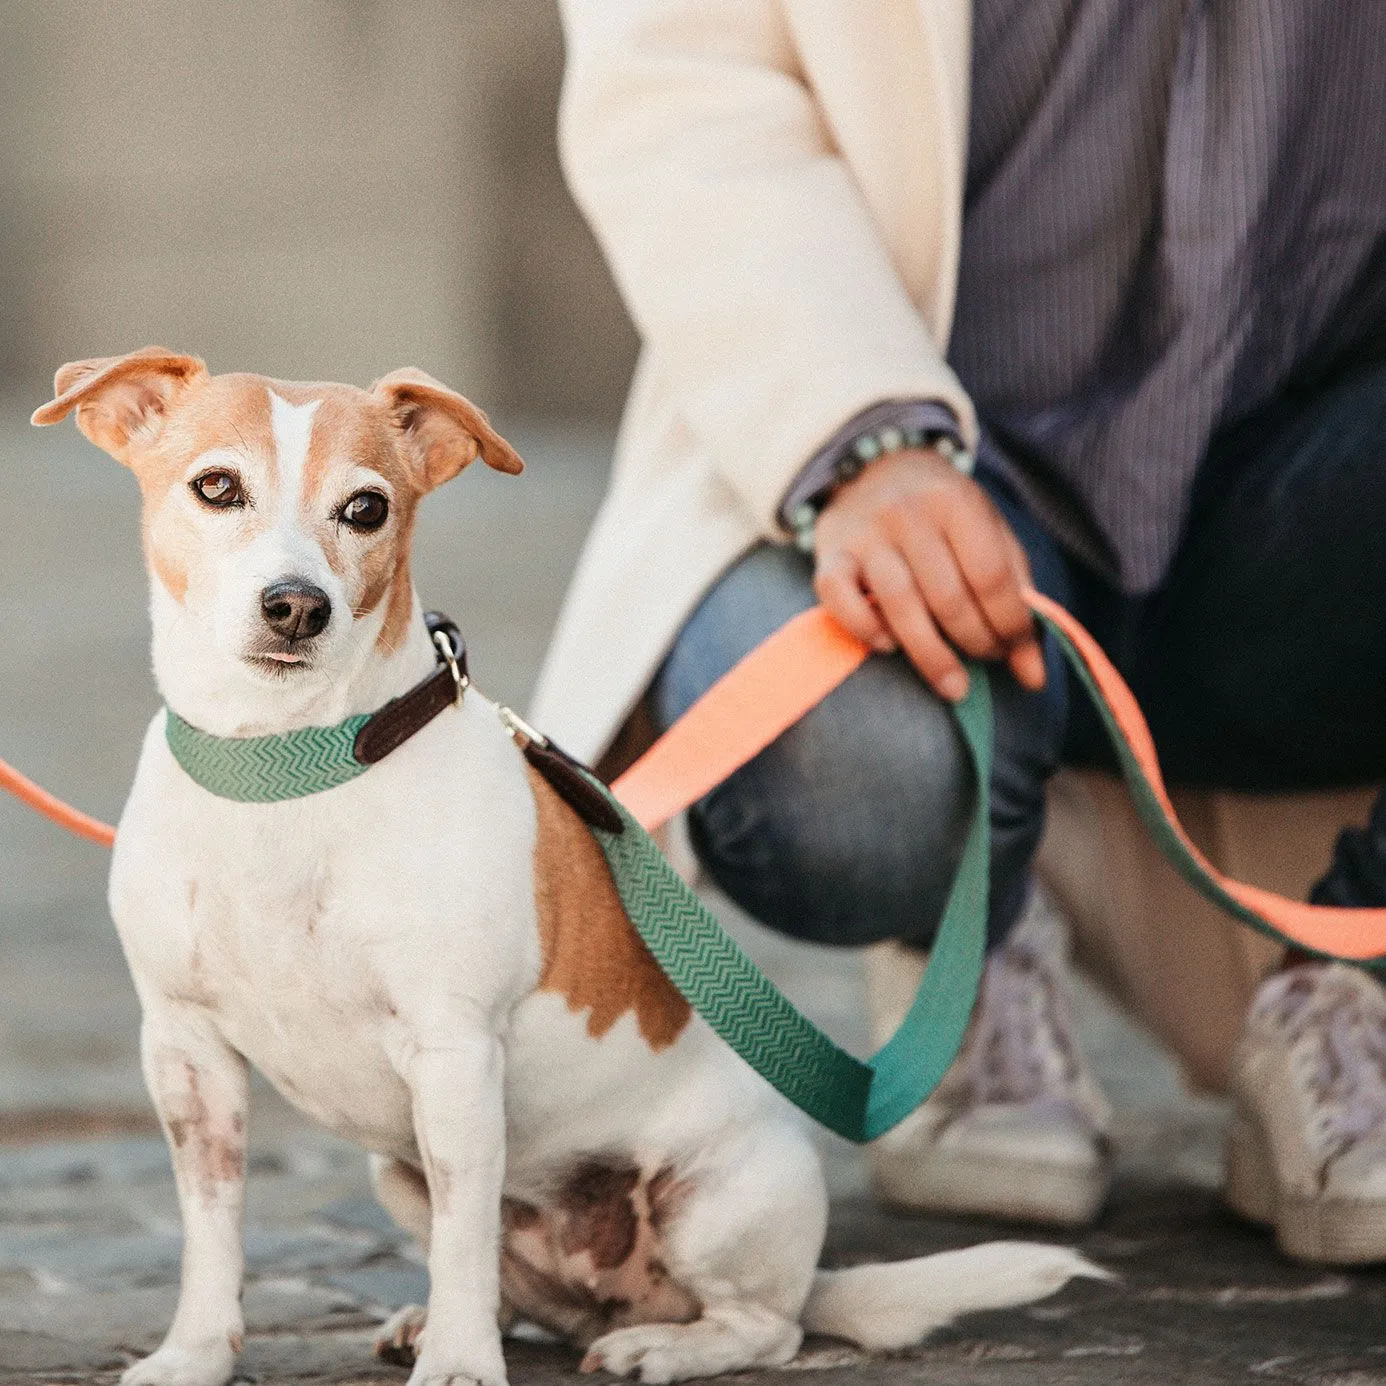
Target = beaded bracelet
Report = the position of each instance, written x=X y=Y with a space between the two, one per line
x=867 y=448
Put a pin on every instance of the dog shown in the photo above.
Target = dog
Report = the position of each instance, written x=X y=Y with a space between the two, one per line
x=432 y=960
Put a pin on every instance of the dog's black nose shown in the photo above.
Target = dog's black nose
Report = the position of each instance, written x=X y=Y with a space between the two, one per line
x=295 y=609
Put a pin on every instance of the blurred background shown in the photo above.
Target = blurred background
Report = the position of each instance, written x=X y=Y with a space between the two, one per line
x=319 y=190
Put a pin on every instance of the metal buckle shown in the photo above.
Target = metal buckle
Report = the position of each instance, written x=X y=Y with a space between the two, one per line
x=444 y=647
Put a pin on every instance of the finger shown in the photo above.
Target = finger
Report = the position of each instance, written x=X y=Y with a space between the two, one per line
x=837 y=583
x=979 y=539
x=997 y=571
x=1026 y=660
x=946 y=594
x=901 y=603
x=1020 y=560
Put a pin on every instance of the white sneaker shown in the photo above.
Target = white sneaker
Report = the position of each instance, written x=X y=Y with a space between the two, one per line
x=1018 y=1128
x=1306 y=1151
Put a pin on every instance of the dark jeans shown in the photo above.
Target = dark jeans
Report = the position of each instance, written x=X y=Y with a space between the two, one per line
x=1260 y=663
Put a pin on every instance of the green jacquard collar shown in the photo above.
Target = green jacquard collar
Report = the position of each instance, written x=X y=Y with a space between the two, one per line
x=308 y=760
x=263 y=769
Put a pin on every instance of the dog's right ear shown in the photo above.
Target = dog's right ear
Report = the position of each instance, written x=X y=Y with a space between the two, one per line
x=121 y=401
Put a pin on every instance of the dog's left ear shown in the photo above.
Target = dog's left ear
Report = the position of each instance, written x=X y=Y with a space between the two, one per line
x=121 y=401
x=443 y=431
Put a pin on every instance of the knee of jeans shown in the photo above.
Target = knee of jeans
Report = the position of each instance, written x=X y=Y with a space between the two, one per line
x=849 y=828
x=756 y=596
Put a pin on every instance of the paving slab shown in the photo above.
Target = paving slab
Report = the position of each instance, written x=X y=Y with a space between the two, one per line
x=1200 y=1298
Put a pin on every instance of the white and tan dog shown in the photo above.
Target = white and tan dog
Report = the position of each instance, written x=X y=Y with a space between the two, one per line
x=431 y=959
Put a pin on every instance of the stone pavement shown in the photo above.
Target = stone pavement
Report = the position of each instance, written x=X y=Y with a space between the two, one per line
x=88 y=1224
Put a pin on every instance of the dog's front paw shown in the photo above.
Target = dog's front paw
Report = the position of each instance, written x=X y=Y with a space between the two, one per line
x=652 y=1353
x=436 y=1367
x=439 y=1374
x=207 y=1364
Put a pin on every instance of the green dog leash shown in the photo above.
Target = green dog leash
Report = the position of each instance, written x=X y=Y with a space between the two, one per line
x=859 y=1099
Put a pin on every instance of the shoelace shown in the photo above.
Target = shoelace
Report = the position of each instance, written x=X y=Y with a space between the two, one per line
x=1334 y=1020
x=1022 y=1049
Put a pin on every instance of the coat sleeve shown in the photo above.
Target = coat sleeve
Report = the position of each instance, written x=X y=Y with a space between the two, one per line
x=736 y=234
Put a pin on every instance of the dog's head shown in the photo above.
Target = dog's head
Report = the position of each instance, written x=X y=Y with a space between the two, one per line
x=277 y=517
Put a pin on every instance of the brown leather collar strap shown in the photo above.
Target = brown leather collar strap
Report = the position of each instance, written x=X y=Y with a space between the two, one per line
x=393 y=725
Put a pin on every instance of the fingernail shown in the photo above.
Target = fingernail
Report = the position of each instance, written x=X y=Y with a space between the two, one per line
x=953 y=686
x=884 y=645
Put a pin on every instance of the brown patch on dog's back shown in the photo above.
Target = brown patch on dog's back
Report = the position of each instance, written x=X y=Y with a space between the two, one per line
x=593 y=957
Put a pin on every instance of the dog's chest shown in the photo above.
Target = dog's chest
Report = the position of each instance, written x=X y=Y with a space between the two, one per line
x=330 y=937
x=287 y=970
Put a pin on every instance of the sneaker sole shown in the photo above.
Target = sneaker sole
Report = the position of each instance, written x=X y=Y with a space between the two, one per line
x=1014 y=1190
x=1325 y=1231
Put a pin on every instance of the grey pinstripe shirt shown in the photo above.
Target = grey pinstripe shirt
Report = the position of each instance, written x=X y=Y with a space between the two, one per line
x=1176 y=209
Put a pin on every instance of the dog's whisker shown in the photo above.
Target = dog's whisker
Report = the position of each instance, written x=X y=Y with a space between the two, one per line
x=388 y=646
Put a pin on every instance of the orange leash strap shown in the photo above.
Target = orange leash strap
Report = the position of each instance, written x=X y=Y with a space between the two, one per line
x=739 y=716
x=806 y=659
x=64 y=815
x=1358 y=935
x=798 y=666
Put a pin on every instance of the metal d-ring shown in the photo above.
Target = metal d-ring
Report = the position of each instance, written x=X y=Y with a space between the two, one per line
x=444 y=647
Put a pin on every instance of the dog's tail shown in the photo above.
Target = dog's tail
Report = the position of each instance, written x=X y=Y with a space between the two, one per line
x=895 y=1304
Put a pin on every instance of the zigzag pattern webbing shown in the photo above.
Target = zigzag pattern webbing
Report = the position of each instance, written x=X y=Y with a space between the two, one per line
x=727 y=989
x=857 y=1100
x=263 y=769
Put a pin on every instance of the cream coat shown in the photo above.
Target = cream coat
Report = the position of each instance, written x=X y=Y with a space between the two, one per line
x=778 y=187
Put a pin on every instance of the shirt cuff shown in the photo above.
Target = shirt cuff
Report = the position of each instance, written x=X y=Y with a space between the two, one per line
x=926 y=416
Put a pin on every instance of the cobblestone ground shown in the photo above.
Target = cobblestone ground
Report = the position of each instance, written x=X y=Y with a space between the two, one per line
x=88 y=1225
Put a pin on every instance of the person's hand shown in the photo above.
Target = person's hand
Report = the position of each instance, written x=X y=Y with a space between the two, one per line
x=912 y=554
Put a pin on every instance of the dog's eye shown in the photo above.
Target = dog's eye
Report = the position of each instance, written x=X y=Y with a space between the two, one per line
x=365 y=510
x=219 y=489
